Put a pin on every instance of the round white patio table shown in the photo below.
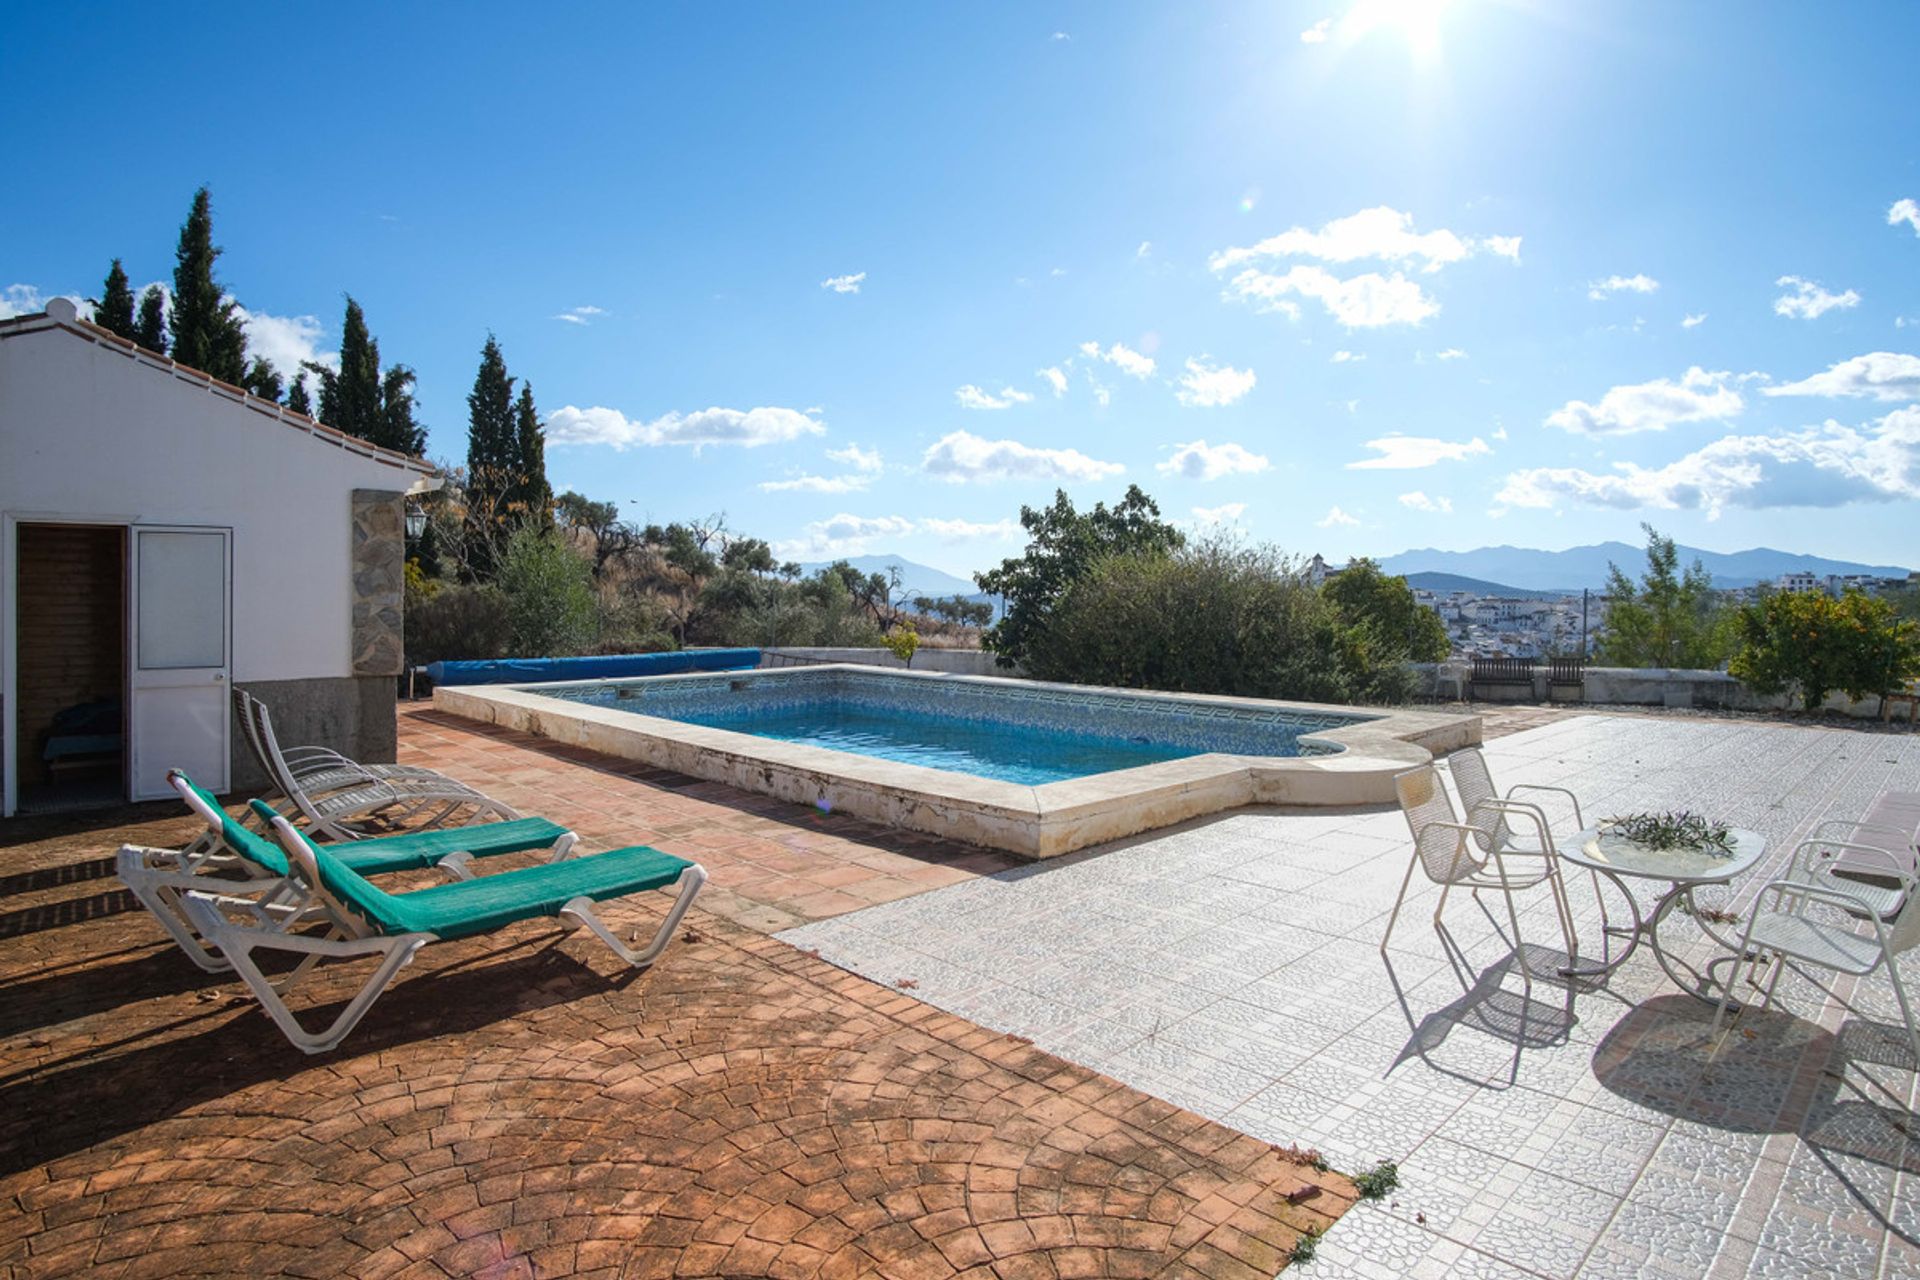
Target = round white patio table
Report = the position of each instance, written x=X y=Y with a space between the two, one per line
x=1683 y=870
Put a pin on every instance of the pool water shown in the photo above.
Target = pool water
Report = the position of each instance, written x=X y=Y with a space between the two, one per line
x=1024 y=755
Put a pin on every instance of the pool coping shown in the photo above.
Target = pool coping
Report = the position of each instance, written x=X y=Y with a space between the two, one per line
x=1030 y=821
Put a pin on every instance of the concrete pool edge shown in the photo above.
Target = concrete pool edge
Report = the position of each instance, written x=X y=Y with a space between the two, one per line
x=1032 y=822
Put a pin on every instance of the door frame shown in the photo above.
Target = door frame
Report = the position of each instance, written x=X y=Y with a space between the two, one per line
x=131 y=605
x=10 y=522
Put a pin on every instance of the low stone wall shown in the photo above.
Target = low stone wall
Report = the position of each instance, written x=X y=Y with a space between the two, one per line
x=353 y=715
x=1632 y=687
x=959 y=662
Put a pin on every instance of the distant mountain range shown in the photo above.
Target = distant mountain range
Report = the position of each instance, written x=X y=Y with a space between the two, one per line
x=1443 y=583
x=1517 y=572
x=1570 y=570
x=915 y=579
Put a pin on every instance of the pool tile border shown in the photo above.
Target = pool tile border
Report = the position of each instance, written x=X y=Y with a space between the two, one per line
x=1357 y=767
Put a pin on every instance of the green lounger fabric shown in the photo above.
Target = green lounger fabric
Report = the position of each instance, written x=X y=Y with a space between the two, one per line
x=467 y=907
x=417 y=849
x=255 y=848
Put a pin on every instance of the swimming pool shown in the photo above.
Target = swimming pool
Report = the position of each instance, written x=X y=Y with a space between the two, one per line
x=1031 y=737
x=1034 y=769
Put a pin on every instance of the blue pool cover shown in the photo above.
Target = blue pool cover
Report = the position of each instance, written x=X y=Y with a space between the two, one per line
x=612 y=666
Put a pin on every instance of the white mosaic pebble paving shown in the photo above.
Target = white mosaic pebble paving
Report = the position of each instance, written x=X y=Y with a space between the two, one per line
x=1232 y=967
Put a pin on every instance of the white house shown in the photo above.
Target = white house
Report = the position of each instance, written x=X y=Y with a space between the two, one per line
x=164 y=537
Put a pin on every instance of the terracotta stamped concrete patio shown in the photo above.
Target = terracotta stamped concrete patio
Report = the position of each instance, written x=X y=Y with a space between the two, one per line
x=522 y=1105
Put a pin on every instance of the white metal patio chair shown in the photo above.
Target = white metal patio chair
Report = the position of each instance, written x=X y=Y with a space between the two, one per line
x=1784 y=923
x=1455 y=854
x=336 y=795
x=1474 y=780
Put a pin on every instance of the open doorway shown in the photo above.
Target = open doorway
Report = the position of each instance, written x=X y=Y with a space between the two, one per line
x=71 y=665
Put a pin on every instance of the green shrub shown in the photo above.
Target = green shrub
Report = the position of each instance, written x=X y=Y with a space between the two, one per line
x=1809 y=643
x=456 y=623
x=1674 y=618
x=551 y=610
x=1212 y=617
x=902 y=642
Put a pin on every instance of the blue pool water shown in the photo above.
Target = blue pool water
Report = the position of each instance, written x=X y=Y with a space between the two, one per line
x=1013 y=732
x=1020 y=754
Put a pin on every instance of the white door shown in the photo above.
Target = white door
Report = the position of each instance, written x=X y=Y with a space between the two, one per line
x=181 y=657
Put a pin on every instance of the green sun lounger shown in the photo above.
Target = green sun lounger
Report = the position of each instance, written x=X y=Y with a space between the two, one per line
x=368 y=921
x=157 y=877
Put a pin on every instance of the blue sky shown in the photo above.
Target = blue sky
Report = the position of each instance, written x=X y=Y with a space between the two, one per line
x=869 y=277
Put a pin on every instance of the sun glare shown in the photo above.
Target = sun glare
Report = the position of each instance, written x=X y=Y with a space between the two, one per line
x=1415 y=21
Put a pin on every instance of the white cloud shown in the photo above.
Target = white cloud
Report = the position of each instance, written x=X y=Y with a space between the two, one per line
x=1380 y=232
x=817 y=484
x=1693 y=321
x=1824 y=466
x=972 y=397
x=1365 y=301
x=26 y=300
x=842 y=535
x=749 y=428
x=20 y=300
x=1410 y=453
x=1451 y=353
x=286 y=341
x=1418 y=501
x=1347 y=357
x=1210 y=386
x=1225 y=513
x=960 y=457
x=1809 y=300
x=1502 y=246
x=1121 y=357
x=1883 y=375
x=1651 y=406
x=1145 y=250
x=1599 y=290
x=1318 y=32
x=845 y=284
x=1335 y=516
x=854 y=456
x=1198 y=460
x=1060 y=35
x=1055 y=378
x=1499 y=433
x=579 y=315
x=1907 y=211
x=972 y=530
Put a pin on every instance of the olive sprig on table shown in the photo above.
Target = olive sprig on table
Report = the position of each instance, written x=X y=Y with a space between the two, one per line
x=1677 y=830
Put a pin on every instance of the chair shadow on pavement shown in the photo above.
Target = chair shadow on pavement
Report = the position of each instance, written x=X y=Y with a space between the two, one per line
x=1529 y=1018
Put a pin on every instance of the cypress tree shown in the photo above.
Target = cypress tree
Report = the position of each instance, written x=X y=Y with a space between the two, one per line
x=297 y=395
x=362 y=402
x=398 y=429
x=350 y=399
x=206 y=333
x=532 y=493
x=114 y=311
x=150 y=331
x=491 y=445
x=263 y=379
x=491 y=460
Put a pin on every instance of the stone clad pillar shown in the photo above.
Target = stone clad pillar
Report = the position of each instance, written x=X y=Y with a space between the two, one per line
x=379 y=581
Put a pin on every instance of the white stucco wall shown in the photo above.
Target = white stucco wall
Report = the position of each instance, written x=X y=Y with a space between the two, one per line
x=88 y=431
